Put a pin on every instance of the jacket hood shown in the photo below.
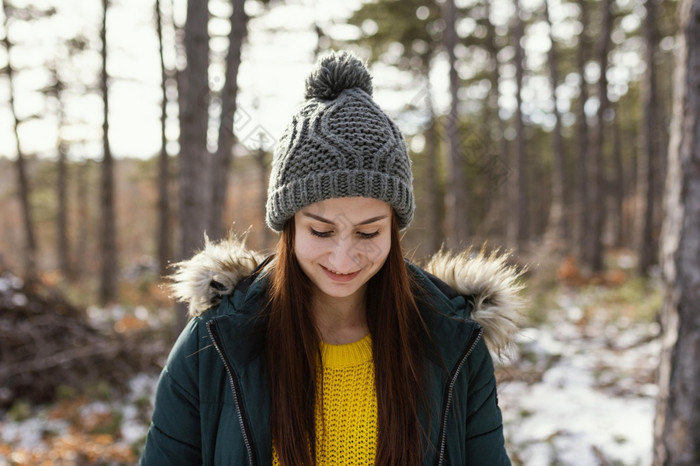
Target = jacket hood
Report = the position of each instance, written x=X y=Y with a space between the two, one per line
x=493 y=285
x=488 y=280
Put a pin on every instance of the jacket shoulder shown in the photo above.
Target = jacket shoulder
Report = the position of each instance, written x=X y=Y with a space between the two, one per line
x=205 y=279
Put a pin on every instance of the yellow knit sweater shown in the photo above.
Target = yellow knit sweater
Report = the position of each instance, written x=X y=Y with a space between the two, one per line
x=346 y=405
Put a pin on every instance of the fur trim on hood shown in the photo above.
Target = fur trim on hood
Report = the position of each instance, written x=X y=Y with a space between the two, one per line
x=493 y=285
x=212 y=273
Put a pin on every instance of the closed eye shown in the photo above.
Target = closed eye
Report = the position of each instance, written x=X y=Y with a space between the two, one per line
x=329 y=233
x=321 y=234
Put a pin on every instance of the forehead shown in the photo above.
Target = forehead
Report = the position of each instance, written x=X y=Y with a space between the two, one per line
x=353 y=208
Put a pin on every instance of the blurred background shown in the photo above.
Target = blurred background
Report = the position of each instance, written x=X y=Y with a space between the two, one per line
x=129 y=128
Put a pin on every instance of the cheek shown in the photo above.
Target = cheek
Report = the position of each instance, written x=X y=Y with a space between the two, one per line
x=306 y=249
x=375 y=251
x=385 y=247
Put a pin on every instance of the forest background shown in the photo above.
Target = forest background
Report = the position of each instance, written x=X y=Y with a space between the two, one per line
x=129 y=128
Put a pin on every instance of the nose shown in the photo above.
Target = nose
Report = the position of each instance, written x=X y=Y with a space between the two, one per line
x=344 y=256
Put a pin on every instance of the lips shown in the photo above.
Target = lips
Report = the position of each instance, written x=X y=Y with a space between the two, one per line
x=340 y=277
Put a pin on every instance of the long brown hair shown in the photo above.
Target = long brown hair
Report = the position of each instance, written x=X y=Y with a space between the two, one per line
x=293 y=351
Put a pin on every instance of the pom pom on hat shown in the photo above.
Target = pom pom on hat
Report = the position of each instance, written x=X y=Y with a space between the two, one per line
x=335 y=73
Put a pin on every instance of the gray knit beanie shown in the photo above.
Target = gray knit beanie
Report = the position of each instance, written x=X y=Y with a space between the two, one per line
x=339 y=144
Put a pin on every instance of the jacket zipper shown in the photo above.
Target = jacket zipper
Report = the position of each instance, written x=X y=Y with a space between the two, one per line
x=236 y=392
x=476 y=336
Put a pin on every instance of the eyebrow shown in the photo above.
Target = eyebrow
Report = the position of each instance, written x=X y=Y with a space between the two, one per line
x=329 y=222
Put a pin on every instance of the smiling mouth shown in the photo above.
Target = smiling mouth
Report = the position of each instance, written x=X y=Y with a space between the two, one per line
x=340 y=277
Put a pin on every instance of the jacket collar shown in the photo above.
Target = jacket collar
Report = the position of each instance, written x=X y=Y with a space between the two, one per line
x=475 y=286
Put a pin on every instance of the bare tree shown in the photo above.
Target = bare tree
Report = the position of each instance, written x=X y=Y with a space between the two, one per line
x=433 y=192
x=62 y=243
x=519 y=190
x=63 y=249
x=618 y=186
x=82 y=177
x=221 y=164
x=108 y=234
x=593 y=244
x=261 y=158
x=194 y=118
x=164 y=236
x=496 y=212
x=456 y=200
x=22 y=179
x=648 y=166
x=555 y=223
x=581 y=202
x=195 y=112
x=56 y=90
x=676 y=439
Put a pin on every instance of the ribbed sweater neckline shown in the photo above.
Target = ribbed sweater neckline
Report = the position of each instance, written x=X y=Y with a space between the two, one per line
x=347 y=355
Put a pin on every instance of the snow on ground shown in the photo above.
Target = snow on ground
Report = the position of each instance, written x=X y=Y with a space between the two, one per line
x=79 y=431
x=581 y=392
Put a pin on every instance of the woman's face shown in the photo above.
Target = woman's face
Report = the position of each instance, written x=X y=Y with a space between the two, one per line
x=341 y=243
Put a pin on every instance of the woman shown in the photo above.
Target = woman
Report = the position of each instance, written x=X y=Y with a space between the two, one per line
x=336 y=350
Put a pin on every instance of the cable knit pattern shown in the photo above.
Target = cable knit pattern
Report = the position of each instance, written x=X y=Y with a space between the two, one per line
x=339 y=144
x=346 y=408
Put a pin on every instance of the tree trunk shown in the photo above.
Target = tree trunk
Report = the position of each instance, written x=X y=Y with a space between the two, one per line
x=108 y=235
x=261 y=158
x=432 y=190
x=496 y=217
x=676 y=439
x=62 y=242
x=164 y=237
x=456 y=202
x=180 y=309
x=555 y=223
x=519 y=196
x=648 y=169
x=82 y=197
x=581 y=202
x=221 y=165
x=63 y=253
x=30 y=251
x=490 y=125
x=594 y=253
x=540 y=193
x=629 y=154
x=194 y=190
x=618 y=186
x=195 y=111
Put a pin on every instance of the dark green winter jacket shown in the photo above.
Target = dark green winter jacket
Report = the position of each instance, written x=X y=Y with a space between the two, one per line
x=212 y=401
